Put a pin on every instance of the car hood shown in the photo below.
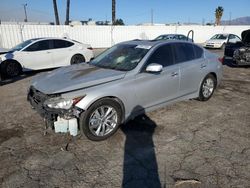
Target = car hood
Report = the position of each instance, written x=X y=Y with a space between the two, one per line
x=245 y=35
x=216 y=41
x=74 y=77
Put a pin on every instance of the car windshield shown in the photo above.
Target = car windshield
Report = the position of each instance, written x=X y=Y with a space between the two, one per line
x=123 y=57
x=220 y=37
x=22 y=45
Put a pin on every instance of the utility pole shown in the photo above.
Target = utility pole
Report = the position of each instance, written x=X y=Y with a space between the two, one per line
x=230 y=18
x=113 y=12
x=152 y=16
x=67 y=13
x=25 y=12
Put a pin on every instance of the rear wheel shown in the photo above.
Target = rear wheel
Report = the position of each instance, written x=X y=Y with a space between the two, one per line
x=10 y=69
x=207 y=88
x=101 y=120
x=77 y=59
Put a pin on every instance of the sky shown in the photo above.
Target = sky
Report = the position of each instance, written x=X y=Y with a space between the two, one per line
x=131 y=11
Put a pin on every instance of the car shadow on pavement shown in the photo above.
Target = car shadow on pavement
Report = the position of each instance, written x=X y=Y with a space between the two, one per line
x=5 y=81
x=140 y=167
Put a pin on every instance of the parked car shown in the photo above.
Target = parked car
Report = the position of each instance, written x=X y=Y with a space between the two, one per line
x=124 y=81
x=43 y=53
x=220 y=40
x=173 y=37
x=239 y=51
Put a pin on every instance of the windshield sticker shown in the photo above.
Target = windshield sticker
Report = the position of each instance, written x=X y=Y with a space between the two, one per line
x=143 y=47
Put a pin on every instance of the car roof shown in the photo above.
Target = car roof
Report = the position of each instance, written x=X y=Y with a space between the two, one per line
x=153 y=42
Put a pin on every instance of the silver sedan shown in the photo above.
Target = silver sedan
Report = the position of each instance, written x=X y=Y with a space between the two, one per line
x=126 y=80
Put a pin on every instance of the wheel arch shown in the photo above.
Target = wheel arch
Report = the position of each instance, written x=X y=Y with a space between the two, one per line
x=114 y=98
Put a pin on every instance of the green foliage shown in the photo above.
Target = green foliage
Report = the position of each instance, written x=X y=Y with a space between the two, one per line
x=119 y=22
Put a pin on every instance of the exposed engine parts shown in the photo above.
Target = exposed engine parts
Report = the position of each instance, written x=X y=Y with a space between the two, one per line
x=242 y=56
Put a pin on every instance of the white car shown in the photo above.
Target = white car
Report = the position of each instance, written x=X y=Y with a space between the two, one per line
x=220 y=40
x=43 y=53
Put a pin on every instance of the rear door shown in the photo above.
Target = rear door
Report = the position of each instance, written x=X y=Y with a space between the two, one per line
x=155 y=88
x=192 y=66
x=62 y=50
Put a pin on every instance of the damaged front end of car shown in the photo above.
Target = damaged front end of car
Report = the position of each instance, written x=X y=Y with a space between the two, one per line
x=242 y=55
x=59 y=113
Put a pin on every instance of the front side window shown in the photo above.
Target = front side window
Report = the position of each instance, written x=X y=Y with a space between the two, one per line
x=39 y=46
x=123 y=57
x=22 y=45
x=183 y=52
x=163 y=56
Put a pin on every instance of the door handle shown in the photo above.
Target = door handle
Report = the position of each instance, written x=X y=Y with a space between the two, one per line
x=174 y=74
x=48 y=52
x=203 y=65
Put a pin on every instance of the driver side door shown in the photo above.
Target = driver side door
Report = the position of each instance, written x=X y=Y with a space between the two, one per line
x=151 y=88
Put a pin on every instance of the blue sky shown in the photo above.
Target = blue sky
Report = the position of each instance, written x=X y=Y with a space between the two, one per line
x=131 y=11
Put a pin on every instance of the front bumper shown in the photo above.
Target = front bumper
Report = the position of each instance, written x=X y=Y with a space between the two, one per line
x=212 y=45
x=37 y=99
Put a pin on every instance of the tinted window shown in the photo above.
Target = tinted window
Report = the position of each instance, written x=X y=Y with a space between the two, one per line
x=163 y=56
x=198 y=51
x=38 y=46
x=184 y=52
x=62 y=43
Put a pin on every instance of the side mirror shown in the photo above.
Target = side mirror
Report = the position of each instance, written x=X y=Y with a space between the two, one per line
x=154 y=67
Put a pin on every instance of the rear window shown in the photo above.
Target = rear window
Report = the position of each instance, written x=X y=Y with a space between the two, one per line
x=183 y=52
x=62 y=44
x=198 y=52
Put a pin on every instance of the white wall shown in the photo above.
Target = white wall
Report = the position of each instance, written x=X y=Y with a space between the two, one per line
x=106 y=36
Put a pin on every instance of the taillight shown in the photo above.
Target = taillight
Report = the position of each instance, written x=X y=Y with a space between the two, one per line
x=221 y=59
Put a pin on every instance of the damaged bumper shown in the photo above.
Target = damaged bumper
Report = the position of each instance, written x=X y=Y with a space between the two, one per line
x=61 y=120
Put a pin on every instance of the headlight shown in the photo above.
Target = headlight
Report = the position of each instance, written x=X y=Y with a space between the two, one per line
x=61 y=103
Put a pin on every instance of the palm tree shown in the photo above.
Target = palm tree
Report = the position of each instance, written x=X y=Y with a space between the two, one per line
x=218 y=14
x=56 y=13
x=67 y=13
x=113 y=12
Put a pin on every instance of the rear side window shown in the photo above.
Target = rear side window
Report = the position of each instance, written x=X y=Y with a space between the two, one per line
x=39 y=46
x=62 y=43
x=163 y=56
x=183 y=52
x=198 y=52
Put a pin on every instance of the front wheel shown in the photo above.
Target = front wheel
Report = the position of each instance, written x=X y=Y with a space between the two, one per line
x=207 y=88
x=101 y=120
x=11 y=69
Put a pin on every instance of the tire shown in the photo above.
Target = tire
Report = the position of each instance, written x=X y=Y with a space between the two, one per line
x=207 y=88
x=10 y=69
x=76 y=59
x=93 y=123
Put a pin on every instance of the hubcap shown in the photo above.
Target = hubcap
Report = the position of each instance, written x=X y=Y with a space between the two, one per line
x=103 y=120
x=208 y=87
x=12 y=69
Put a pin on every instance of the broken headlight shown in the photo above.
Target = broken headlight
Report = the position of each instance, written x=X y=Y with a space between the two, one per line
x=61 y=103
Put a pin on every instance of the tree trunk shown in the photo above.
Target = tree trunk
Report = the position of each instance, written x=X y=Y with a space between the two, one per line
x=67 y=13
x=113 y=12
x=56 y=13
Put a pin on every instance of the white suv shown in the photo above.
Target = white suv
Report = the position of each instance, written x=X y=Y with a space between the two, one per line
x=43 y=53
